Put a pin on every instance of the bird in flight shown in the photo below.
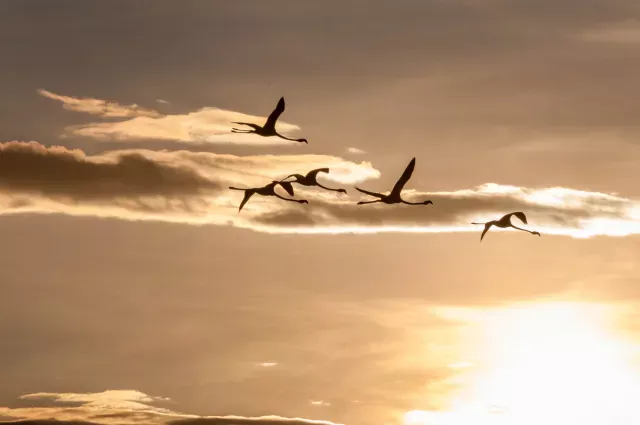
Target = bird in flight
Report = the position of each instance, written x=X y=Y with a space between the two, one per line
x=505 y=222
x=269 y=127
x=268 y=190
x=394 y=197
x=311 y=179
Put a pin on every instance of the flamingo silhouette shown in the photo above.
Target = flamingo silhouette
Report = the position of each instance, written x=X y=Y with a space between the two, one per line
x=505 y=222
x=310 y=179
x=268 y=190
x=394 y=197
x=269 y=127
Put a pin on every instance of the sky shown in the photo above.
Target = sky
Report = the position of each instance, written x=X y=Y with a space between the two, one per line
x=134 y=292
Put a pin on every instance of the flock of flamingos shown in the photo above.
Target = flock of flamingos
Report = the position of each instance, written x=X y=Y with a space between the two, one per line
x=310 y=179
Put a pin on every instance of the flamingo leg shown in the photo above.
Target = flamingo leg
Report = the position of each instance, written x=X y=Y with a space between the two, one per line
x=300 y=201
x=328 y=188
x=525 y=230
x=368 y=202
x=413 y=203
x=288 y=138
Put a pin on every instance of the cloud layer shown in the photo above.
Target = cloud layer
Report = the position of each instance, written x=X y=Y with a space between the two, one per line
x=204 y=126
x=191 y=187
x=124 y=406
x=99 y=107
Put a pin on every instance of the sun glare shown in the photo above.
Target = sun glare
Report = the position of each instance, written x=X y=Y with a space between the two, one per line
x=552 y=363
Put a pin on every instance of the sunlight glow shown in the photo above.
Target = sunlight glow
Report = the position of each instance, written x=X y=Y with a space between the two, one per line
x=551 y=363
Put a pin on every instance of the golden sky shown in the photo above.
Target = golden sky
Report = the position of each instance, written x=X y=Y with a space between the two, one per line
x=133 y=292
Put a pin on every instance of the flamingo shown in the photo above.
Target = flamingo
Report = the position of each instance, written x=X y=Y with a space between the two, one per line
x=394 y=197
x=310 y=179
x=268 y=190
x=269 y=127
x=505 y=222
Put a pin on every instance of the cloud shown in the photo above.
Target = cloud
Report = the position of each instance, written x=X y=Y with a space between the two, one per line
x=191 y=187
x=32 y=169
x=355 y=151
x=204 y=126
x=623 y=32
x=46 y=422
x=99 y=107
x=124 y=406
x=320 y=403
x=557 y=211
x=239 y=420
x=177 y=186
x=162 y=101
x=130 y=399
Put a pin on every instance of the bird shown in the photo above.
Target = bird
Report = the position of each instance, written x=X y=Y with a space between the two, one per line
x=505 y=222
x=310 y=179
x=394 y=197
x=268 y=190
x=269 y=127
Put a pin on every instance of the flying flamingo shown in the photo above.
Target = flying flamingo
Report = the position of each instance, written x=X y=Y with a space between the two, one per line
x=268 y=190
x=269 y=127
x=394 y=197
x=310 y=179
x=505 y=222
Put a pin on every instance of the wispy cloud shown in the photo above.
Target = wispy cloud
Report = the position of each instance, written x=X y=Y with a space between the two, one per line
x=557 y=211
x=204 y=126
x=624 y=32
x=100 y=107
x=191 y=187
x=163 y=101
x=125 y=406
x=355 y=151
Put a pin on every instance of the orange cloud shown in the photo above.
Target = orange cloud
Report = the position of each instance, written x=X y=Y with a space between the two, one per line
x=100 y=107
x=115 y=407
x=204 y=126
x=191 y=187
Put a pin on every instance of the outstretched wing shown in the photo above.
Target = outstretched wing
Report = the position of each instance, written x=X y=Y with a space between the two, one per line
x=377 y=195
x=247 y=194
x=484 y=232
x=271 y=121
x=520 y=215
x=404 y=178
x=290 y=175
x=313 y=174
x=288 y=187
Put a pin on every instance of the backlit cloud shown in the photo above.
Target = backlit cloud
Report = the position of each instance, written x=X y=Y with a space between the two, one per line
x=100 y=107
x=355 y=151
x=192 y=187
x=177 y=186
x=124 y=406
x=204 y=126
x=550 y=210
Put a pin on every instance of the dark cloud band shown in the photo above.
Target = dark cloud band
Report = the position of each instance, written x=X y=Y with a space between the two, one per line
x=191 y=187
